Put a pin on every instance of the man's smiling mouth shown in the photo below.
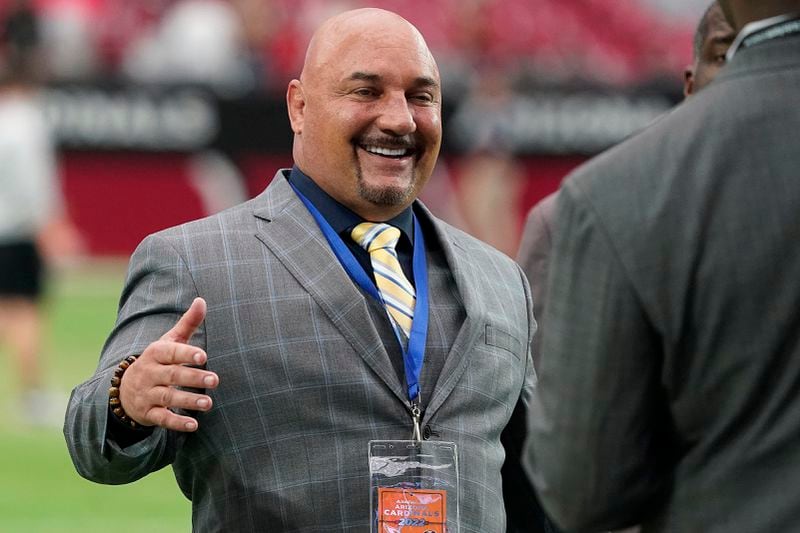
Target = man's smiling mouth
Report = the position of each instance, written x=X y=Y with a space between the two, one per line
x=388 y=152
x=395 y=152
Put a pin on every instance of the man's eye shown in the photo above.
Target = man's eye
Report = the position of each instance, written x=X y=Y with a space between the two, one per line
x=364 y=91
x=423 y=97
x=720 y=59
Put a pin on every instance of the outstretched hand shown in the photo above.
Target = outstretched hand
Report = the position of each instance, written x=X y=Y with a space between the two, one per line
x=149 y=387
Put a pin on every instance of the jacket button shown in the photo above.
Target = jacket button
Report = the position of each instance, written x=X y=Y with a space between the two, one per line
x=426 y=433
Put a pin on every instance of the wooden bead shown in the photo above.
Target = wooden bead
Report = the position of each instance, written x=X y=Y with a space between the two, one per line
x=113 y=393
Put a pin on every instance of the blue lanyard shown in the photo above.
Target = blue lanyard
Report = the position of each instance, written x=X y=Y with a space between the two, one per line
x=414 y=355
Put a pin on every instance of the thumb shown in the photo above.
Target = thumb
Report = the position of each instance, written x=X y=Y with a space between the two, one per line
x=188 y=323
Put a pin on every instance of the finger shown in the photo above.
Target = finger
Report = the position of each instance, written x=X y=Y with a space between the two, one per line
x=163 y=417
x=188 y=323
x=139 y=406
x=184 y=376
x=179 y=399
x=175 y=353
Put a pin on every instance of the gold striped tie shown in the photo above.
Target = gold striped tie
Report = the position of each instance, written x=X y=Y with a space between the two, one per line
x=398 y=294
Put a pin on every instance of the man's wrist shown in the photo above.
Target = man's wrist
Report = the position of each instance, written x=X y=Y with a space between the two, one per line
x=114 y=401
x=122 y=429
x=122 y=434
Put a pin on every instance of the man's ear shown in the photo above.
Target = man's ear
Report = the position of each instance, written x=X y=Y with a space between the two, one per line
x=688 y=82
x=296 y=104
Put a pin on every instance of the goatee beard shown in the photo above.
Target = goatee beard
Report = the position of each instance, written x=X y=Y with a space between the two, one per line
x=385 y=196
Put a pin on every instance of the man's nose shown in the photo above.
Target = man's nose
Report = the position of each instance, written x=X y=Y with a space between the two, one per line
x=396 y=115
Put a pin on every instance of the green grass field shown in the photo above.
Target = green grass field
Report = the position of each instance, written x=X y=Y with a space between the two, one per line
x=39 y=488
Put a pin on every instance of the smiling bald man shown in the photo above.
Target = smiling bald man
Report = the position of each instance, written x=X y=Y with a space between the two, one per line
x=260 y=350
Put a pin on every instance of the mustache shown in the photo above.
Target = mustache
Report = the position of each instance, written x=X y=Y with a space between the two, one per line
x=387 y=141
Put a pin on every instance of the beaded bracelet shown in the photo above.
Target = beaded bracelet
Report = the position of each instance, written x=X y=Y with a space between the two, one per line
x=113 y=393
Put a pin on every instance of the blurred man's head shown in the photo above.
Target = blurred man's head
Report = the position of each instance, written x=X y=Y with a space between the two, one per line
x=366 y=112
x=712 y=39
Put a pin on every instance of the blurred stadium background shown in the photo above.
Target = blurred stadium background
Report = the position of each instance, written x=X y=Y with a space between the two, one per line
x=168 y=110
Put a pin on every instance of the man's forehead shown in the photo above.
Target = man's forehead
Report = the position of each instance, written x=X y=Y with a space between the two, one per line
x=372 y=44
x=361 y=60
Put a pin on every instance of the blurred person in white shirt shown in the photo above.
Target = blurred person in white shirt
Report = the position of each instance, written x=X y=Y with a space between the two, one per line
x=33 y=226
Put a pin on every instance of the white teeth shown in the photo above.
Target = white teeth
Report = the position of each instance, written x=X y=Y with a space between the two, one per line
x=386 y=151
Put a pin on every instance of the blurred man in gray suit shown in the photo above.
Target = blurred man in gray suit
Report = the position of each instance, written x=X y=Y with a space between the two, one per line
x=668 y=392
x=712 y=38
x=300 y=362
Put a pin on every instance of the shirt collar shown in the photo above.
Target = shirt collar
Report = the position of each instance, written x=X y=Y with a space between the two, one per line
x=755 y=27
x=342 y=219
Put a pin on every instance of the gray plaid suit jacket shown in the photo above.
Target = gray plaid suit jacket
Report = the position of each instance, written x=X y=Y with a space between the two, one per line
x=305 y=379
x=670 y=370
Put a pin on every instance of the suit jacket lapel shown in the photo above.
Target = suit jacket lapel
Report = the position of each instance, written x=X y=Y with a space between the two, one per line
x=291 y=233
x=467 y=277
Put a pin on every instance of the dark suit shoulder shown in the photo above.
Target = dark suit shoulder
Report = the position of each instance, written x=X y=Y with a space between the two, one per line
x=540 y=218
x=545 y=207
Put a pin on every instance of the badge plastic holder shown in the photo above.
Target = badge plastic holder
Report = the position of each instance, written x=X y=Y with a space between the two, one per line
x=413 y=487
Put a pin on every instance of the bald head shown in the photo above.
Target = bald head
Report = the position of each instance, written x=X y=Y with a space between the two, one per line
x=366 y=112
x=340 y=33
x=713 y=19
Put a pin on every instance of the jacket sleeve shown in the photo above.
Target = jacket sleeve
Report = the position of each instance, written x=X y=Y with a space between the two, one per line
x=594 y=447
x=523 y=510
x=158 y=290
x=534 y=257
